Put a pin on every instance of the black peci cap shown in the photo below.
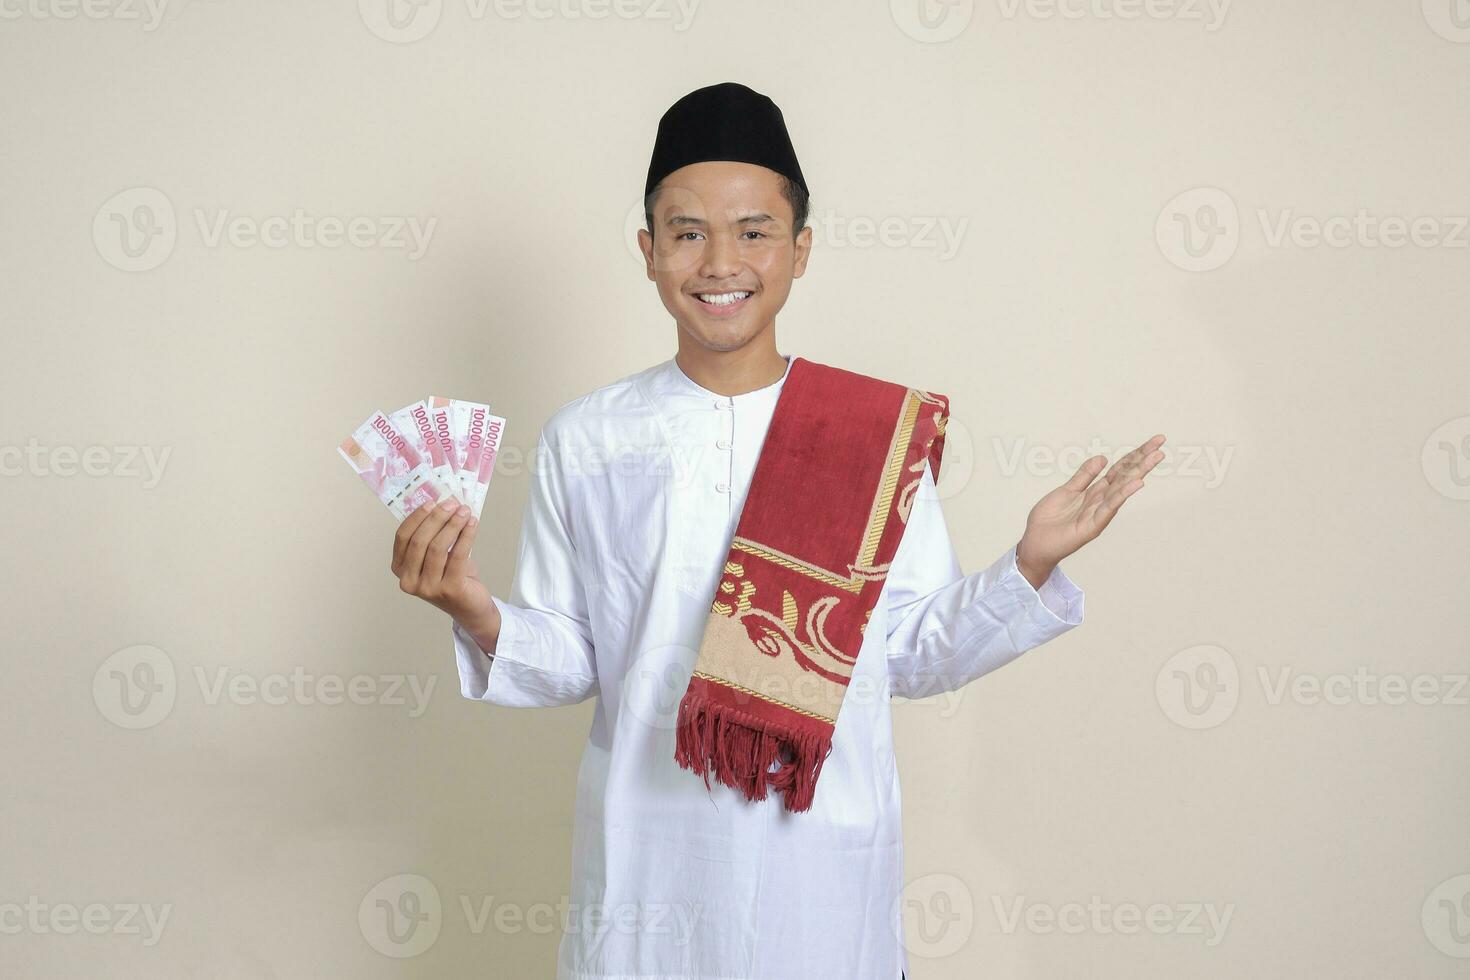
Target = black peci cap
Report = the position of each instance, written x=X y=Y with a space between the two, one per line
x=723 y=122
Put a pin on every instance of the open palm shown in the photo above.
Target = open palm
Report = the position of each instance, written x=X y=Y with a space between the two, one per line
x=1078 y=510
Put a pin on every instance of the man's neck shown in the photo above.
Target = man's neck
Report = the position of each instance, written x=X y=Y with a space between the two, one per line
x=732 y=372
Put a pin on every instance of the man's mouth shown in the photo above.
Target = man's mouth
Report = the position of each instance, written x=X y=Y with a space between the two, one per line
x=724 y=303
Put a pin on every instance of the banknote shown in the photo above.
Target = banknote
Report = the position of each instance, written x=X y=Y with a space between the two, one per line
x=481 y=447
x=417 y=424
x=478 y=433
x=459 y=413
x=388 y=463
x=441 y=416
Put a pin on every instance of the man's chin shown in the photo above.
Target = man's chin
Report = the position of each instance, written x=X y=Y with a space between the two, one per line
x=718 y=336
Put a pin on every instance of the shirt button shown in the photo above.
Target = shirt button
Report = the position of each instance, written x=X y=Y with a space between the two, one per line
x=722 y=403
x=722 y=487
x=723 y=444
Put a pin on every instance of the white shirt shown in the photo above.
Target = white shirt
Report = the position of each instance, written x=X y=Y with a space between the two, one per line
x=636 y=493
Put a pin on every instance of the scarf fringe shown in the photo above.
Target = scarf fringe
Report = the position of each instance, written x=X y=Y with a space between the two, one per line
x=739 y=748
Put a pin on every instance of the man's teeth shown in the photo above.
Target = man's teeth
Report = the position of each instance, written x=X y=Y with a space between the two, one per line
x=721 y=299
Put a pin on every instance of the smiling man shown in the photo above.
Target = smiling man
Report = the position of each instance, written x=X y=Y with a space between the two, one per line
x=741 y=555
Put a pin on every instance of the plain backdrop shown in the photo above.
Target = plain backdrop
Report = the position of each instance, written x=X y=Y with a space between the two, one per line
x=1086 y=223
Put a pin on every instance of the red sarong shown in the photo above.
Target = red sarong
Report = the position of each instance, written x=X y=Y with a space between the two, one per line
x=827 y=506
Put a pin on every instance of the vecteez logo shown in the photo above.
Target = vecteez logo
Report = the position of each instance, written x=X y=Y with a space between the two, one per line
x=407 y=21
x=1200 y=229
x=1199 y=687
x=138 y=687
x=148 y=13
x=936 y=915
x=1445 y=458
x=135 y=230
x=400 y=21
x=932 y=21
x=138 y=229
x=1450 y=19
x=1445 y=917
x=135 y=687
x=401 y=916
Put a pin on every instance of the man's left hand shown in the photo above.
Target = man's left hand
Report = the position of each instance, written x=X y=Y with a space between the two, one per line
x=1078 y=510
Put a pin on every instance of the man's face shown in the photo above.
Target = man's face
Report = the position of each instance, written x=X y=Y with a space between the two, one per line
x=722 y=252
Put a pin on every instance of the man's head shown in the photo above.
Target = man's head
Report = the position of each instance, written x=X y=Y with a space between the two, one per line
x=725 y=204
x=717 y=230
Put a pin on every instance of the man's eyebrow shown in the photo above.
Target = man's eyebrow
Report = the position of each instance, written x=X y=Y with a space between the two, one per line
x=759 y=218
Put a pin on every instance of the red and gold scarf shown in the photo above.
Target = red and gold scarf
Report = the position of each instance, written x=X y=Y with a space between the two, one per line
x=827 y=505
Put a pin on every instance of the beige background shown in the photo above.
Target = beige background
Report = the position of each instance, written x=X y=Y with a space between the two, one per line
x=1311 y=518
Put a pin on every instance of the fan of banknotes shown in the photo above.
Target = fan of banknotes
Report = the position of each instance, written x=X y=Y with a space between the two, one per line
x=427 y=452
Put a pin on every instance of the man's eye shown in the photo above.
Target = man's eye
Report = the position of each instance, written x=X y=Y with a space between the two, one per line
x=687 y=234
x=757 y=234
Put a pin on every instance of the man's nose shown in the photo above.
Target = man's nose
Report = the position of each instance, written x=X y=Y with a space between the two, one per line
x=720 y=258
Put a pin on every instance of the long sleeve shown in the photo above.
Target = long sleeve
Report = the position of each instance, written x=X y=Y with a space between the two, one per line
x=544 y=655
x=946 y=628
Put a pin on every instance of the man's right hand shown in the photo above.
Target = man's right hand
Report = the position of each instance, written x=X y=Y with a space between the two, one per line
x=431 y=558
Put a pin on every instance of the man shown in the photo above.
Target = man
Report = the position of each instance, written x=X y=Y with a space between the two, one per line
x=638 y=492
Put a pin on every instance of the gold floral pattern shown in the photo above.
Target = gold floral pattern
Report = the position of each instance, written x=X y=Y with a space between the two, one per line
x=734 y=586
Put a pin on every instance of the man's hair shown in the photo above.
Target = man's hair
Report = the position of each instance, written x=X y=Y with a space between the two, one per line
x=795 y=195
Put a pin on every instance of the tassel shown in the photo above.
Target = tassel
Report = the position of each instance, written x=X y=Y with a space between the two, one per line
x=739 y=748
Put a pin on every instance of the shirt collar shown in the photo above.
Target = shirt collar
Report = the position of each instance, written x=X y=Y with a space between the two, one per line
x=668 y=380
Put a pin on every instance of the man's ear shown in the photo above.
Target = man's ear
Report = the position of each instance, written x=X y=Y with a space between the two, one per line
x=803 y=250
x=645 y=245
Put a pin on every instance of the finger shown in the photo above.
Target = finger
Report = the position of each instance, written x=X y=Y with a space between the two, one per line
x=1137 y=463
x=1153 y=459
x=406 y=528
x=1133 y=466
x=1090 y=468
x=1133 y=456
x=418 y=544
x=1107 y=482
x=459 y=555
x=1100 y=486
x=1107 y=508
x=1144 y=449
x=438 y=550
